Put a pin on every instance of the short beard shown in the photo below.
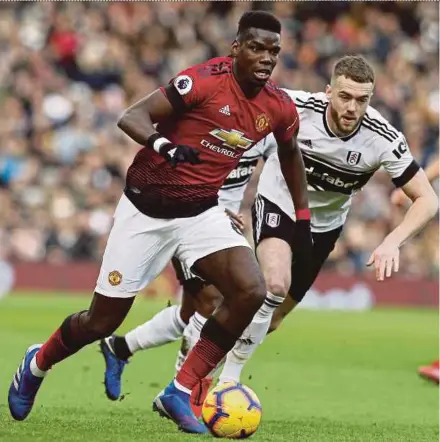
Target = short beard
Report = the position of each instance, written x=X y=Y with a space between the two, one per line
x=335 y=117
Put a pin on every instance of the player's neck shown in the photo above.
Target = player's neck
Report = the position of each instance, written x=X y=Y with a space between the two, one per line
x=248 y=90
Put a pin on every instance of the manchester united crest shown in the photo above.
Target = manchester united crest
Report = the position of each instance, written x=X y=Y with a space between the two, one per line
x=261 y=122
x=114 y=278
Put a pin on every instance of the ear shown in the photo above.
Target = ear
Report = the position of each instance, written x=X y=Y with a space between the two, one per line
x=328 y=91
x=235 y=48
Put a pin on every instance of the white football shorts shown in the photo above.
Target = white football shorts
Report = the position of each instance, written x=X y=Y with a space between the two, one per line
x=139 y=247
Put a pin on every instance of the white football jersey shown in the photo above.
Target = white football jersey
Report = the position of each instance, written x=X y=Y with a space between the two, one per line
x=231 y=193
x=337 y=168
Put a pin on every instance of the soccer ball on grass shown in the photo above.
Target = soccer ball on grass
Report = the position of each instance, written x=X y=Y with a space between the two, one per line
x=232 y=411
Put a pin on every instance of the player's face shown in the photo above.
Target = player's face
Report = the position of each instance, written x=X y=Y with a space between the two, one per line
x=256 y=56
x=348 y=103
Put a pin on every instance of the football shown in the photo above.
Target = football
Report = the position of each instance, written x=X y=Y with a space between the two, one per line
x=232 y=411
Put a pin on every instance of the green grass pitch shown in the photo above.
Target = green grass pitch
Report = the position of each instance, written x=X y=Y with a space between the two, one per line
x=323 y=376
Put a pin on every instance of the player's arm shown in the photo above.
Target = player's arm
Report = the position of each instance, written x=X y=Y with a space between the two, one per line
x=289 y=154
x=248 y=199
x=139 y=119
x=432 y=170
x=399 y=198
x=294 y=173
x=415 y=184
x=293 y=170
x=162 y=104
x=421 y=211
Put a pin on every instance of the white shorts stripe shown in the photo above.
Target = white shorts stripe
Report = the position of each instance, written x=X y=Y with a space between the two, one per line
x=259 y=206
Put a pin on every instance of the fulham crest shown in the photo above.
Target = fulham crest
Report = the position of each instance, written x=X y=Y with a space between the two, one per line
x=353 y=158
x=272 y=219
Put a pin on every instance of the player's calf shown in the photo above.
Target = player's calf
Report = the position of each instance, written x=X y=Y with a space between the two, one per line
x=275 y=257
x=76 y=331
x=281 y=312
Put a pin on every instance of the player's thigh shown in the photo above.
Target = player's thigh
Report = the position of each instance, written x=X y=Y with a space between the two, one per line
x=273 y=232
x=221 y=255
x=138 y=249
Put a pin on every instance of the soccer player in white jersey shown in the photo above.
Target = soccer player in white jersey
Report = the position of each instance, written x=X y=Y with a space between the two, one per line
x=344 y=141
x=168 y=325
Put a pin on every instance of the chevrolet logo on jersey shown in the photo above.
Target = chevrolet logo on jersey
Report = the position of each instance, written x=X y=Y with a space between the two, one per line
x=233 y=138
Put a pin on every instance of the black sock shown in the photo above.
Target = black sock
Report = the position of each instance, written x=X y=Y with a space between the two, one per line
x=120 y=347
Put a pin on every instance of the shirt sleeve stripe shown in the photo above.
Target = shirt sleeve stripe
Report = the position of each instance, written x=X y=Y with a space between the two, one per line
x=407 y=174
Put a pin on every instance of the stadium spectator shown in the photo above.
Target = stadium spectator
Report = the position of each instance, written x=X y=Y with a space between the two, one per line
x=69 y=69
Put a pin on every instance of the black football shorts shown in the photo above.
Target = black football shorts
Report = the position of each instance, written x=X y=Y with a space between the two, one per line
x=269 y=221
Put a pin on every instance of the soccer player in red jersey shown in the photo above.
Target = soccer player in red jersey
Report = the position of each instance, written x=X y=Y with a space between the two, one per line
x=169 y=208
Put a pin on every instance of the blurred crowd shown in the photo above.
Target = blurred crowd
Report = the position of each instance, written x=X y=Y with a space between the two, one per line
x=69 y=69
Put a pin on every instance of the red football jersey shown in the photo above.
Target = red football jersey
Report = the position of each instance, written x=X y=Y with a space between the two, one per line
x=213 y=115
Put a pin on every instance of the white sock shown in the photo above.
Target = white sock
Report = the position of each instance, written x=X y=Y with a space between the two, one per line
x=250 y=340
x=181 y=387
x=191 y=335
x=166 y=326
x=35 y=370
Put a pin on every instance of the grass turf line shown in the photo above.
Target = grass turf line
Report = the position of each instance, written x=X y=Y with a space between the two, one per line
x=322 y=377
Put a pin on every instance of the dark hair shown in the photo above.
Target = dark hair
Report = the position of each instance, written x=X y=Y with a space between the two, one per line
x=354 y=67
x=260 y=20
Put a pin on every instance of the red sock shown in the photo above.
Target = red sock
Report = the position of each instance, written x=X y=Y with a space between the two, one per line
x=200 y=361
x=212 y=347
x=66 y=341
x=52 y=351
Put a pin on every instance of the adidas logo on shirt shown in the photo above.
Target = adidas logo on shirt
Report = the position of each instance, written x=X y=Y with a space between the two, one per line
x=225 y=110
x=308 y=143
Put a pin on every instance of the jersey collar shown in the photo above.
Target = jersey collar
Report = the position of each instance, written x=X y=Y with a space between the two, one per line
x=332 y=134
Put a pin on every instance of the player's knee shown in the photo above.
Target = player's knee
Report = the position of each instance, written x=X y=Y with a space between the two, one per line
x=207 y=307
x=209 y=302
x=193 y=286
x=277 y=286
x=252 y=294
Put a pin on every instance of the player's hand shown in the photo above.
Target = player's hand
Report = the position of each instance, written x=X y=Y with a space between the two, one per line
x=399 y=198
x=179 y=153
x=303 y=244
x=385 y=259
x=237 y=219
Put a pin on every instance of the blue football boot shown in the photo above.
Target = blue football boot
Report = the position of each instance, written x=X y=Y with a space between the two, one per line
x=174 y=404
x=24 y=387
x=113 y=369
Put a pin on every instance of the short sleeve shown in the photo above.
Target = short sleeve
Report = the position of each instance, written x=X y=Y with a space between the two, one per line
x=300 y=98
x=268 y=146
x=186 y=90
x=397 y=160
x=288 y=120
